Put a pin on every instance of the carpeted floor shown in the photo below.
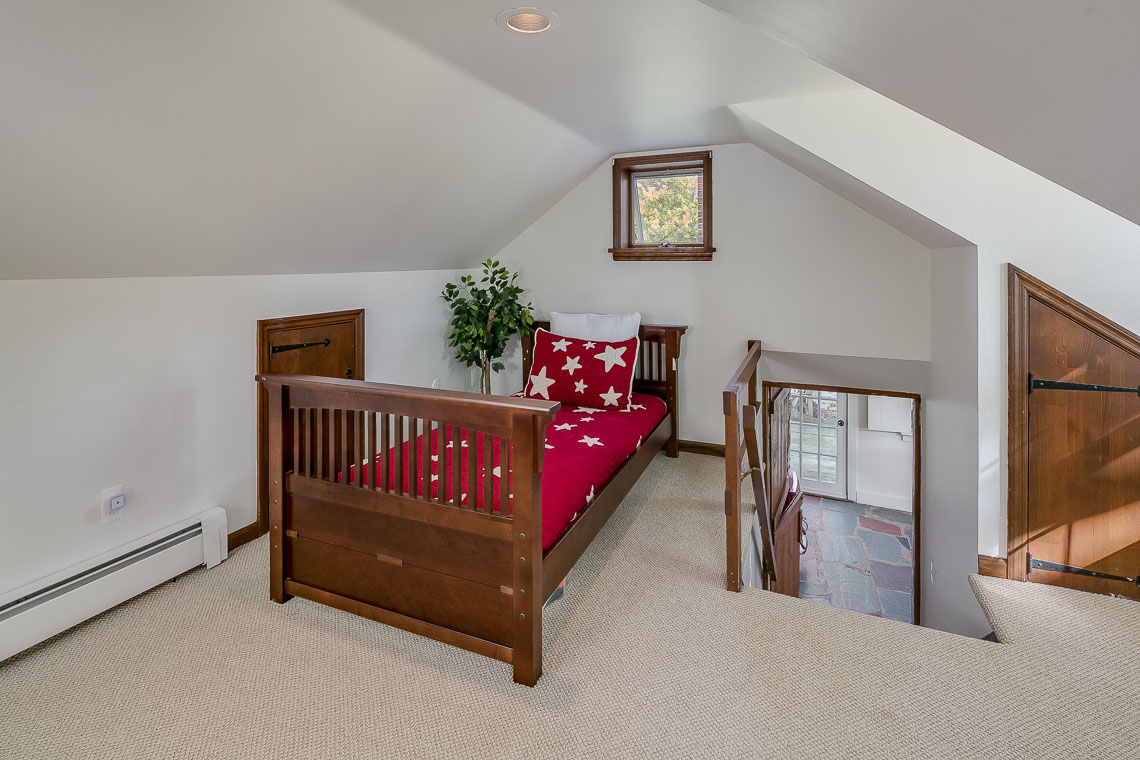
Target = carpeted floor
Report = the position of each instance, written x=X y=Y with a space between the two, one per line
x=1083 y=626
x=646 y=657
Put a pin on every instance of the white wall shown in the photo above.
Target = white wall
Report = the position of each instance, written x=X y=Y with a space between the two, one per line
x=796 y=266
x=950 y=421
x=1010 y=213
x=149 y=382
x=869 y=325
x=880 y=469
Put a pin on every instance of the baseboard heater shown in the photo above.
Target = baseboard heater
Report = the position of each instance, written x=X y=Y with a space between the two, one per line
x=51 y=605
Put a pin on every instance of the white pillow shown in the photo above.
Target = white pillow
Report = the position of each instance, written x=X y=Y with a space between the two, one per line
x=610 y=328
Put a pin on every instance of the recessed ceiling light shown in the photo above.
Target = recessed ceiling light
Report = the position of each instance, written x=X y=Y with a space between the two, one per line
x=528 y=20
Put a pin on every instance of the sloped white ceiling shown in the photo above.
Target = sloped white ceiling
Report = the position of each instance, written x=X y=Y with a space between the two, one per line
x=254 y=136
x=630 y=75
x=281 y=136
x=1053 y=85
x=876 y=203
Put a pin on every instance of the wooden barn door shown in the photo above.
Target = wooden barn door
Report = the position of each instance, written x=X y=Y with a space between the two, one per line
x=326 y=345
x=1079 y=485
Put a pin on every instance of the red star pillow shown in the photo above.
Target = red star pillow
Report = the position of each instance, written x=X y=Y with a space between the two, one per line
x=590 y=373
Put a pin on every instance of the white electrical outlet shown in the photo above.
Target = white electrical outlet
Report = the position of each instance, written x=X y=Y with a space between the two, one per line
x=435 y=383
x=114 y=503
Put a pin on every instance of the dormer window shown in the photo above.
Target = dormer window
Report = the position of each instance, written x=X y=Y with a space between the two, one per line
x=663 y=207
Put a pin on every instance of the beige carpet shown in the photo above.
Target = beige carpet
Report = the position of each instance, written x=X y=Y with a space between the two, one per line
x=646 y=657
x=1080 y=625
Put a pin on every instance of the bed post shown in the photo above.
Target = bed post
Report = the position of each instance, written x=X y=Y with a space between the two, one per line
x=672 y=357
x=528 y=440
x=527 y=341
x=280 y=438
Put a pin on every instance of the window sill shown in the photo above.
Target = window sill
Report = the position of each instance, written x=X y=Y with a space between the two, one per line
x=662 y=254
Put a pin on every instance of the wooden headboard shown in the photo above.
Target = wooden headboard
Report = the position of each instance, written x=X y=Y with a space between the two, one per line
x=658 y=360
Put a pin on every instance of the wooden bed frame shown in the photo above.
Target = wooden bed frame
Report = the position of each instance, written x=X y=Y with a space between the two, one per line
x=471 y=577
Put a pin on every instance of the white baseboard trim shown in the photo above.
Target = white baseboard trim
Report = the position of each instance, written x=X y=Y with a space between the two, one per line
x=51 y=605
x=884 y=500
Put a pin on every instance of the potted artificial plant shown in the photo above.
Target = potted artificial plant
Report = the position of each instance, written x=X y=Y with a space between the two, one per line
x=485 y=316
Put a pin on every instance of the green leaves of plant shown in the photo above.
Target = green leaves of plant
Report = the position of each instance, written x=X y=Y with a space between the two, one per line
x=485 y=316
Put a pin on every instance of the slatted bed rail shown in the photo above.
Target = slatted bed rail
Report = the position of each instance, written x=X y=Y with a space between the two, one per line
x=380 y=451
x=359 y=520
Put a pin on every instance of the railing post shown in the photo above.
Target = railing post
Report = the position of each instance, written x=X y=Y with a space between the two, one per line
x=732 y=491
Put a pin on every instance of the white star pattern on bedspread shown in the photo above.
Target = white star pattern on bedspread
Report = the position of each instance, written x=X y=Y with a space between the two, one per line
x=560 y=345
x=565 y=426
x=572 y=364
x=580 y=386
x=590 y=495
x=611 y=397
x=591 y=442
x=587 y=410
x=611 y=356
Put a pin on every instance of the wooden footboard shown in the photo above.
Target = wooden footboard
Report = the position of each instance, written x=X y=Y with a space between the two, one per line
x=380 y=537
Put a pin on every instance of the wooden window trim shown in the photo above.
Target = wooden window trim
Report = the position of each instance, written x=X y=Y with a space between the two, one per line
x=624 y=169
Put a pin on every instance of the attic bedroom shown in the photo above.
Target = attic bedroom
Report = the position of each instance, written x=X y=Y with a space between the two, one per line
x=688 y=378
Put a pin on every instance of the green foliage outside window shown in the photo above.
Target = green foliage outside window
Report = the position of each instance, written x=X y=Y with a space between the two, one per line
x=668 y=210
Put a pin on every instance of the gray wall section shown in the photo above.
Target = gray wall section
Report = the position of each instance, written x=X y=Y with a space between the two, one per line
x=951 y=447
x=847 y=371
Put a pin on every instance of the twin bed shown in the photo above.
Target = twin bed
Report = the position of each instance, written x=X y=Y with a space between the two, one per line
x=456 y=515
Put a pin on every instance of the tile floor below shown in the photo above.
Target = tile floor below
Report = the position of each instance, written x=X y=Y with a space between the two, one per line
x=858 y=558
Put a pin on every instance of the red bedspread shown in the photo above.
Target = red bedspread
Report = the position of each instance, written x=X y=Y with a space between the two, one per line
x=584 y=448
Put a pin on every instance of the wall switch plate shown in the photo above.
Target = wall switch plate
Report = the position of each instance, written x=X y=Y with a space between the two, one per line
x=114 y=503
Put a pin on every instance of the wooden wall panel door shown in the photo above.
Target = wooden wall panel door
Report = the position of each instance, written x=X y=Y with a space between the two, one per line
x=337 y=359
x=280 y=351
x=1083 y=455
